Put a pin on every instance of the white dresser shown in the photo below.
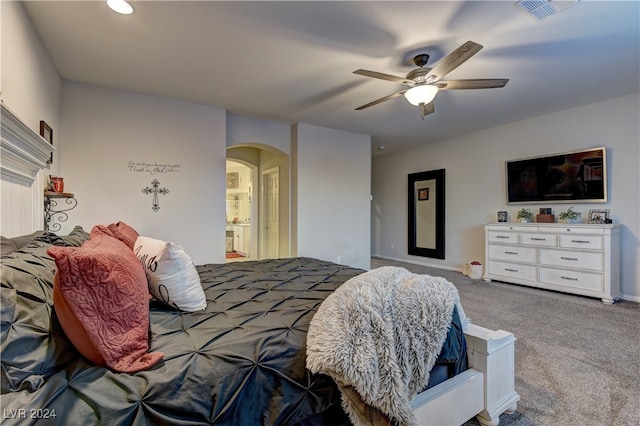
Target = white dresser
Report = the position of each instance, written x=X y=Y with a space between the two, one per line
x=574 y=258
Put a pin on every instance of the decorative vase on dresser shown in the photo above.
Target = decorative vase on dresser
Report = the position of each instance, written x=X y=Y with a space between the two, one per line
x=581 y=259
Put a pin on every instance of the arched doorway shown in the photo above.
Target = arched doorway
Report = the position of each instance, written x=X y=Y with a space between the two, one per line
x=241 y=211
x=262 y=203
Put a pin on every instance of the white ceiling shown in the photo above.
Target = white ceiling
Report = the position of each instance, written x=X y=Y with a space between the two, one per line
x=293 y=62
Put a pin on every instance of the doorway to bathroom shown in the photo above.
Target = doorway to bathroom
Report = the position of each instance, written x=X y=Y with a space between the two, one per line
x=240 y=210
x=257 y=203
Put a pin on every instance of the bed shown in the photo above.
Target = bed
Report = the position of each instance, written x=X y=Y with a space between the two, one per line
x=240 y=361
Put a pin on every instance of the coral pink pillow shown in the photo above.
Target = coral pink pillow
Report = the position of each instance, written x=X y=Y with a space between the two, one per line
x=125 y=233
x=120 y=231
x=74 y=328
x=107 y=303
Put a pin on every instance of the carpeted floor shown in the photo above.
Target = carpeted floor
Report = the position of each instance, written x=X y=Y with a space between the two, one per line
x=577 y=359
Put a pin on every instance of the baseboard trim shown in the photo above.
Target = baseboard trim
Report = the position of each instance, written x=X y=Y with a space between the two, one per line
x=430 y=265
x=630 y=298
x=627 y=297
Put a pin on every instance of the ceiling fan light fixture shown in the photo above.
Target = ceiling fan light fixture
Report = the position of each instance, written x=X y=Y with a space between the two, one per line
x=120 y=6
x=422 y=94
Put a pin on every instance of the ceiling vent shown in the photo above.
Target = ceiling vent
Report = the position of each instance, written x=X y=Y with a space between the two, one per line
x=540 y=9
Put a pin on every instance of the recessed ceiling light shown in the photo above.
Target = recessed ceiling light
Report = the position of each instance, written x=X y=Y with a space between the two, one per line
x=120 y=6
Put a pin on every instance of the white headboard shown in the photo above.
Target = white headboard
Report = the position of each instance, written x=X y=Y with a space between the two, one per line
x=23 y=157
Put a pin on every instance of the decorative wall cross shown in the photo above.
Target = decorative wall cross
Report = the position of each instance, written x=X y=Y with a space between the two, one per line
x=155 y=190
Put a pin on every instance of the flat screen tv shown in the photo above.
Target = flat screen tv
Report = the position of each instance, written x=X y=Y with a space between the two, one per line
x=578 y=176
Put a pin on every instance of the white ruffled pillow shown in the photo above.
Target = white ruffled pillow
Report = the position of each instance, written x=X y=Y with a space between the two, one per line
x=171 y=274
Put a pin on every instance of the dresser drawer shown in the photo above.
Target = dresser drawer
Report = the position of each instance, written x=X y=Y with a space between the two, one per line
x=592 y=242
x=503 y=237
x=575 y=229
x=513 y=270
x=513 y=253
x=574 y=279
x=547 y=240
x=573 y=259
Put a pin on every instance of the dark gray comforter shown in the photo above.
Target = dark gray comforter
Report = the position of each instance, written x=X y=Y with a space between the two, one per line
x=239 y=362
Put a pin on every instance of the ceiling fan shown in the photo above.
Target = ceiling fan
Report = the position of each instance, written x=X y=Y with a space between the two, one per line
x=423 y=84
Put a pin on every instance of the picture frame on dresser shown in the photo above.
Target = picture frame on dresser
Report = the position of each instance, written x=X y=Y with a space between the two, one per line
x=598 y=215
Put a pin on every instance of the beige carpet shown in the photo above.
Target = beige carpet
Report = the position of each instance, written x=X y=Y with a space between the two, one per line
x=577 y=360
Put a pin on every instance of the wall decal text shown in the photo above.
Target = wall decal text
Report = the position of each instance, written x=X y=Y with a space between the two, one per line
x=153 y=168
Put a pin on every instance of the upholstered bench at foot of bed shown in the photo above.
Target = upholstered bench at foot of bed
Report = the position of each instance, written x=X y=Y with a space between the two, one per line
x=485 y=390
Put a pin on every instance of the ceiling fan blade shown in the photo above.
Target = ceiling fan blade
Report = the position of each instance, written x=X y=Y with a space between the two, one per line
x=426 y=109
x=384 y=76
x=386 y=98
x=480 y=83
x=453 y=60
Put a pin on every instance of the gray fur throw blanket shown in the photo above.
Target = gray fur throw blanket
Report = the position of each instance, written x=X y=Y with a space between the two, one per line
x=378 y=336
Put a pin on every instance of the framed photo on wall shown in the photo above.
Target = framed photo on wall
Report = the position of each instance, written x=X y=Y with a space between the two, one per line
x=232 y=180
x=47 y=133
x=423 y=194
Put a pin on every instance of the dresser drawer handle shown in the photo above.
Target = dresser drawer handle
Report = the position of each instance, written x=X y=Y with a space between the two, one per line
x=568 y=278
x=538 y=239
x=510 y=252
x=503 y=236
x=581 y=241
x=568 y=258
x=510 y=270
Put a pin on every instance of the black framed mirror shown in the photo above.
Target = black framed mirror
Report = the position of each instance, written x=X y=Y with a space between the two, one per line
x=426 y=214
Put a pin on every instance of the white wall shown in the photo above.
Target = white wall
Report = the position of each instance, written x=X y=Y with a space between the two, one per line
x=475 y=188
x=242 y=131
x=30 y=86
x=332 y=182
x=105 y=129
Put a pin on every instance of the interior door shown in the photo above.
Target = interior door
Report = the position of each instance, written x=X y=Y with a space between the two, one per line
x=270 y=179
